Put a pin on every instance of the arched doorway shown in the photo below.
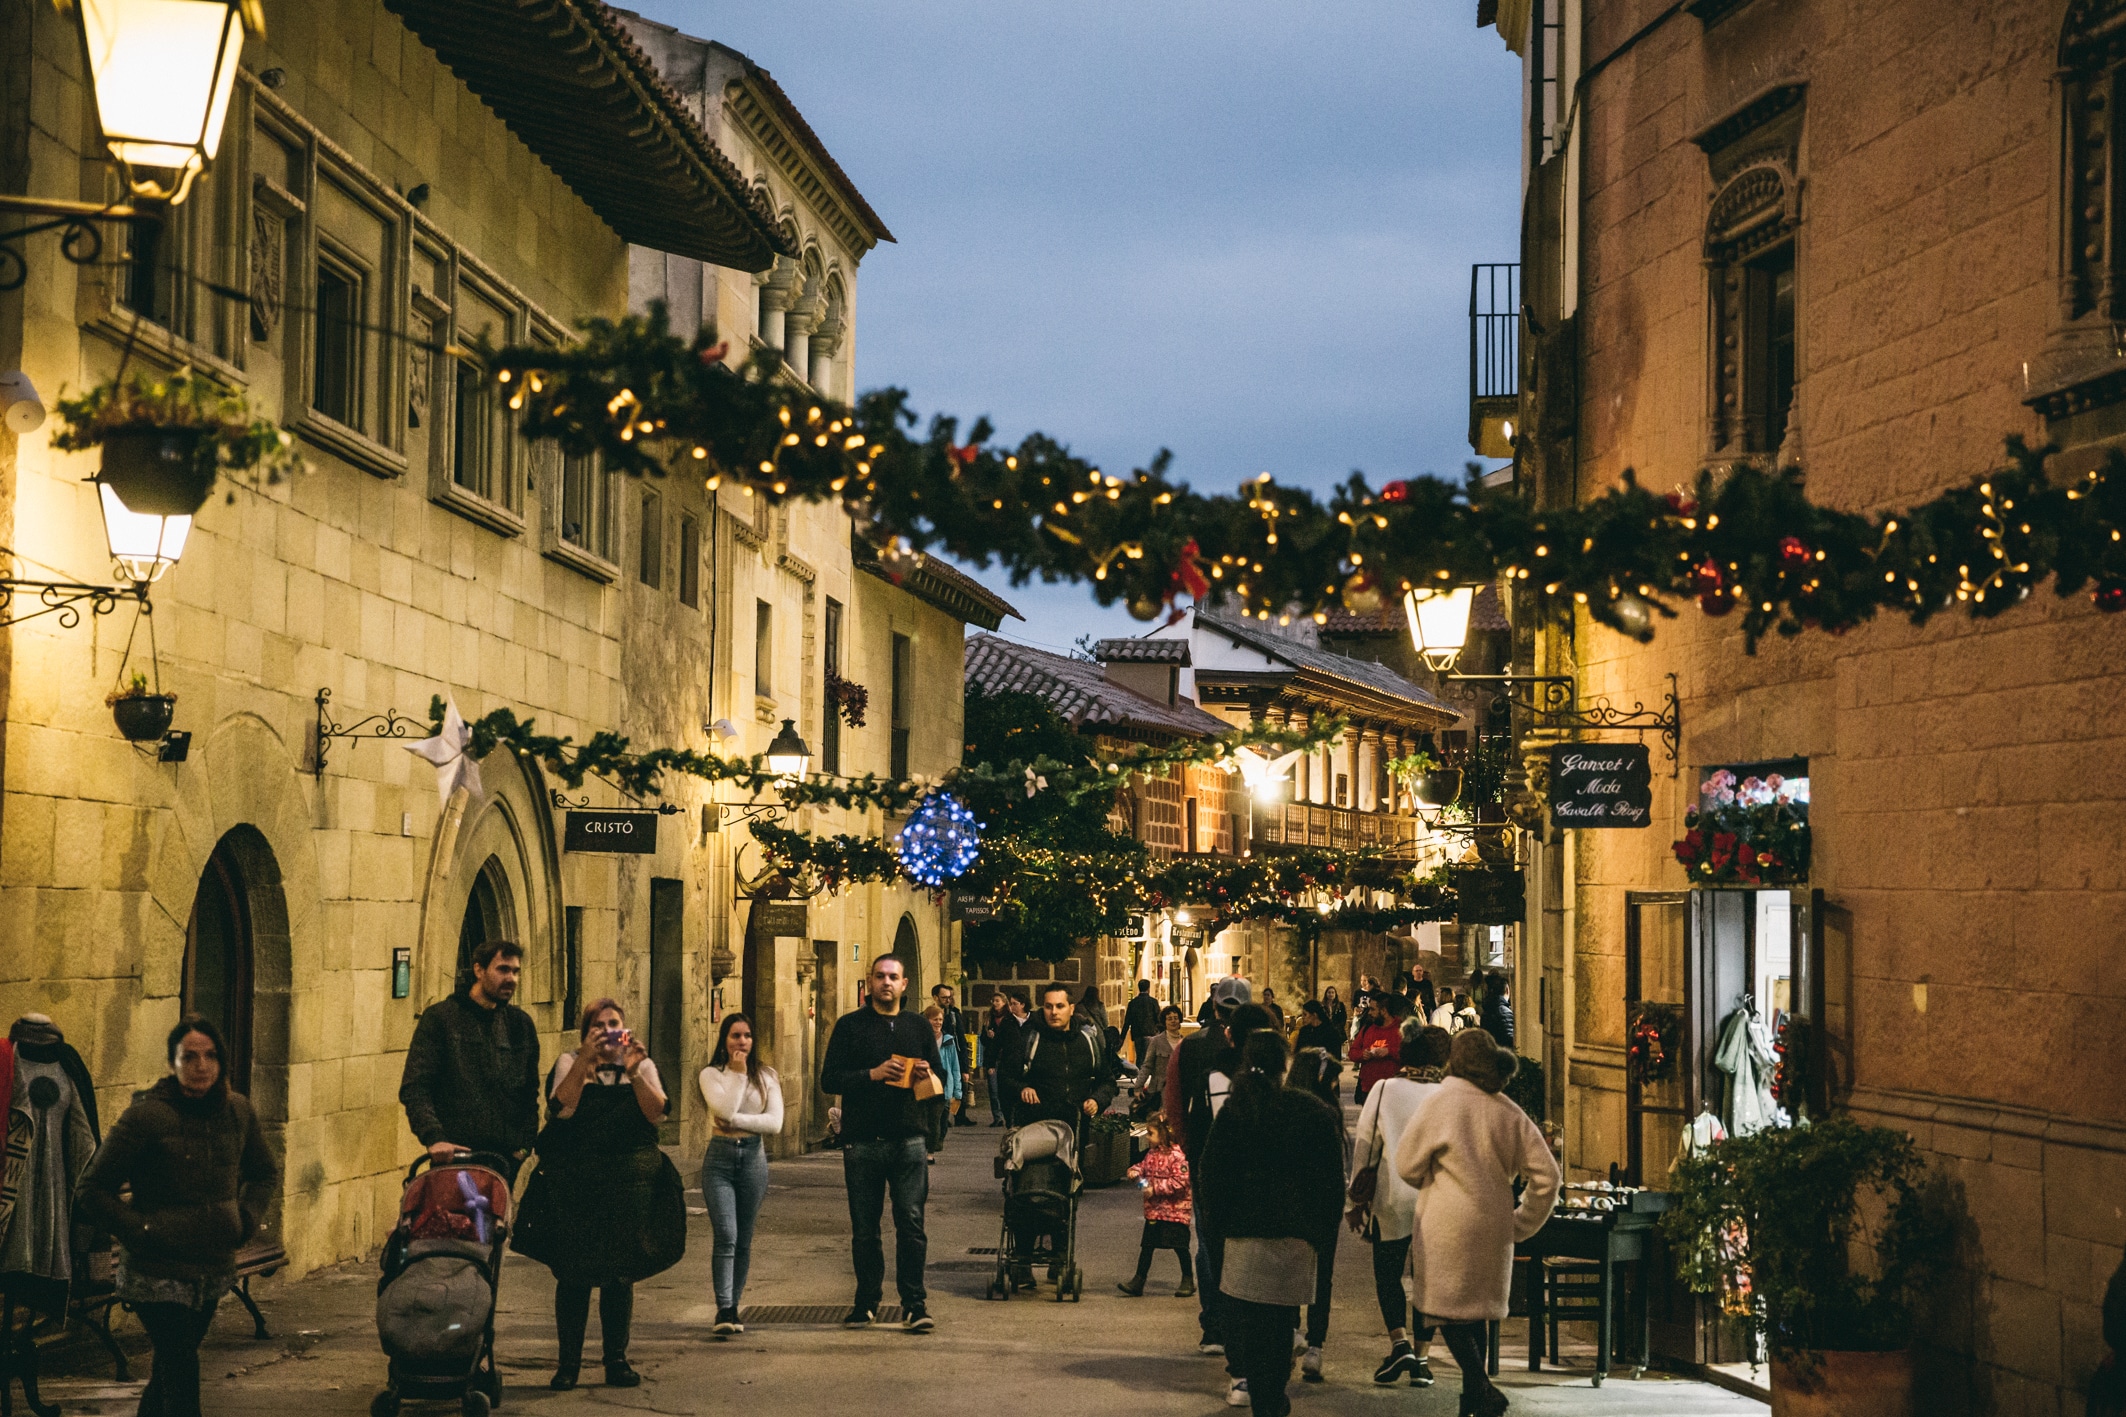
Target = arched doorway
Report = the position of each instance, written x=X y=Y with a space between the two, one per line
x=236 y=948
x=489 y=915
x=909 y=946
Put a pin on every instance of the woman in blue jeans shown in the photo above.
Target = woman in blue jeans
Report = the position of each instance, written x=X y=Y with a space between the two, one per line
x=745 y=1108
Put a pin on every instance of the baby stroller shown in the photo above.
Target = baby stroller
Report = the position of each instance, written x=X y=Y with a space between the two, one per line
x=1038 y=1165
x=435 y=1304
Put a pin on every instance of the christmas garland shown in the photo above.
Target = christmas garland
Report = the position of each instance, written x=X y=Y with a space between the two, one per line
x=609 y=756
x=1751 y=541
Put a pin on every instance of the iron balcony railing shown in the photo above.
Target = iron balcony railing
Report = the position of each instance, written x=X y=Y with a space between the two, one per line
x=1494 y=330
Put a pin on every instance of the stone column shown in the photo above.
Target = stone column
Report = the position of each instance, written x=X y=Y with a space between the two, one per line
x=778 y=293
x=797 y=334
x=1367 y=798
x=826 y=341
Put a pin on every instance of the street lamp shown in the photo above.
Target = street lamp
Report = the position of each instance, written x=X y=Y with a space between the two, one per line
x=143 y=544
x=160 y=72
x=1439 y=624
x=788 y=755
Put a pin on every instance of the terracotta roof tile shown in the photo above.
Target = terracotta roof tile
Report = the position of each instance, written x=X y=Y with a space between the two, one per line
x=1081 y=692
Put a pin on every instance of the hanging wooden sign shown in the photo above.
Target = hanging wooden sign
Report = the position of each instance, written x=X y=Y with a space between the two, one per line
x=1489 y=895
x=1601 y=785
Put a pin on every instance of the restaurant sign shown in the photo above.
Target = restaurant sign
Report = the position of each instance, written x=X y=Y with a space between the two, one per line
x=1601 y=785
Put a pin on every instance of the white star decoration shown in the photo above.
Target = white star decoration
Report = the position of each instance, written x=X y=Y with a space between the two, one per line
x=454 y=767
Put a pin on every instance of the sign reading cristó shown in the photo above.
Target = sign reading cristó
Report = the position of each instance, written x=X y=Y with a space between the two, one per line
x=1601 y=785
x=634 y=833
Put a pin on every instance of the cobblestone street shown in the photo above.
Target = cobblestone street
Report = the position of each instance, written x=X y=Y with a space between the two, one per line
x=1107 y=1354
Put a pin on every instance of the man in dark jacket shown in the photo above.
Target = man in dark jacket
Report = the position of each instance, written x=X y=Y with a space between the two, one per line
x=1061 y=1078
x=472 y=1072
x=1011 y=1050
x=1140 y=1021
x=874 y=1059
x=1496 y=1013
x=1191 y=1103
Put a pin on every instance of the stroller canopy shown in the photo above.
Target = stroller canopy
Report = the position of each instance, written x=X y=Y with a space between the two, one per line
x=1041 y=1141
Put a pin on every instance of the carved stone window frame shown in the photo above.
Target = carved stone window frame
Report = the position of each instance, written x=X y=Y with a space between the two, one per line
x=1753 y=155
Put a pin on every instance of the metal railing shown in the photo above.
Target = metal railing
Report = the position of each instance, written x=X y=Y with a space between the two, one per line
x=1300 y=824
x=1494 y=331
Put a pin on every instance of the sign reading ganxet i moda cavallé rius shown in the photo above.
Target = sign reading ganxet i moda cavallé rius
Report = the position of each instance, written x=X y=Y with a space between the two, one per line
x=1601 y=785
x=634 y=833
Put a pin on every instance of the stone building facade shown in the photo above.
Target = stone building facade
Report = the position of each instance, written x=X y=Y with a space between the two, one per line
x=1867 y=243
x=399 y=177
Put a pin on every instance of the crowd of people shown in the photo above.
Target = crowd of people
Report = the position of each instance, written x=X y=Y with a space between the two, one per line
x=1249 y=1171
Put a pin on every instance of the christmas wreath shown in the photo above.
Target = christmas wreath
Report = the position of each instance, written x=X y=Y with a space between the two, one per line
x=1650 y=1043
x=1790 y=1079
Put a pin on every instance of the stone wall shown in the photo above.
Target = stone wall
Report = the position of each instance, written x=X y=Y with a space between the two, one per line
x=1967 y=803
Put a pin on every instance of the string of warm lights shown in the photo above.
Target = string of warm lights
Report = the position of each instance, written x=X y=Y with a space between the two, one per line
x=1745 y=540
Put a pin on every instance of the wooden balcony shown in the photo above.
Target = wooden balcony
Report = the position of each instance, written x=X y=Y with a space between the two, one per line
x=1297 y=825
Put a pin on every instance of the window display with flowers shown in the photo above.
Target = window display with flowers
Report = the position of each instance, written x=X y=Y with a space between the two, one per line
x=1751 y=831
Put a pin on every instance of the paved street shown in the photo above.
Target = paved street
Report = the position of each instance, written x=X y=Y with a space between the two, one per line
x=1106 y=1354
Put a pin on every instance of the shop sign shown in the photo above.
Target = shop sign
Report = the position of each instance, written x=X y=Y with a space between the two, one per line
x=973 y=909
x=633 y=833
x=1601 y=785
x=1489 y=895
x=776 y=918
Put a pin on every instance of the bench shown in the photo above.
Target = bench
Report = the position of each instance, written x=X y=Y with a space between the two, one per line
x=95 y=1294
x=260 y=1257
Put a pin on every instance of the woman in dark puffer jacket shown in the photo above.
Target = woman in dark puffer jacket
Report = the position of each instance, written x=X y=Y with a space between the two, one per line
x=1271 y=1182
x=202 y=1176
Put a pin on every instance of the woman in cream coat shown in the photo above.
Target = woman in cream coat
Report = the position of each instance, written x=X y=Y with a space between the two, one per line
x=1391 y=1217
x=1462 y=1153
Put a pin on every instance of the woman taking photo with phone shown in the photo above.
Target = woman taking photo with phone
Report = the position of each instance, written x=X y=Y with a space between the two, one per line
x=745 y=1108
x=606 y=1208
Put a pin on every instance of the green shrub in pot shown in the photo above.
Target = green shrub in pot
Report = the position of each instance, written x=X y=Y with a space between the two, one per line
x=1819 y=1238
x=166 y=439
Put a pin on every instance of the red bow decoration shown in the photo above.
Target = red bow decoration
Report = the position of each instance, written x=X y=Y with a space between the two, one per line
x=963 y=456
x=1188 y=575
x=714 y=353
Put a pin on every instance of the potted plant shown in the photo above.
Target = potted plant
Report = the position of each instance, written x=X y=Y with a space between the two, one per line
x=143 y=714
x=165 y=440
x=1752 y=832
x=1425 y=779
x=1818 y=1239
x=1106 y=1157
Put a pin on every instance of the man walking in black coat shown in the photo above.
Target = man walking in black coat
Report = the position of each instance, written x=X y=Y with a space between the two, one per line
x=1059 y=1074
x=472 y=1071
x=874 y=1060
x=1141 y=1020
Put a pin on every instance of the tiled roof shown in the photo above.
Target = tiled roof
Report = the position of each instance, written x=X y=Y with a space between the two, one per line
x=1135 y=651
x=941 y=584
x=1486 y=612
x=1079 y=691
x=1364 y=673
x=570 y=81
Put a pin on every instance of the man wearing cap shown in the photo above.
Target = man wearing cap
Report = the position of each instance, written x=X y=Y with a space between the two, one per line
x=1190 y=1107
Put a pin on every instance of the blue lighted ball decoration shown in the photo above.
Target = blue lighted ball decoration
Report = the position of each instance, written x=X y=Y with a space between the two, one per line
x=941 y=840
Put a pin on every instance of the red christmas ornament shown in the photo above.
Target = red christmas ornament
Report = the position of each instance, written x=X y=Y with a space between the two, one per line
x=1397 y=491
x=1711 y=587
x=1793 y=550
x=1681 y=505
x=2110 y=597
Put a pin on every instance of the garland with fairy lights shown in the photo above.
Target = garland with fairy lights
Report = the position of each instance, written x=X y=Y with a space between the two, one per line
x=1747 y=541
x=612 y=758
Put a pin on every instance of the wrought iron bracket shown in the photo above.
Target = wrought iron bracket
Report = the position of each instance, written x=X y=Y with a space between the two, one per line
x=80 y=242
x=66 y=598
x=740 y=812
x=1548 y=701
x=388 y=724
x=562 y=803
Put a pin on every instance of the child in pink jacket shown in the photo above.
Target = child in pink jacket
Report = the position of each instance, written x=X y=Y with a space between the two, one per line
x=1167 y=1210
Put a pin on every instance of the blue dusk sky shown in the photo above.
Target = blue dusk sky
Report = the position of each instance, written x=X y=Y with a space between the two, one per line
x=1240 y=230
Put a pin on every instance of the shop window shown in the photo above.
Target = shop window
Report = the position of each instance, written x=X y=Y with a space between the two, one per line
x=830 y=729
x=649 y=565
x=903 y=706
x=689 y=562
x=336 y=343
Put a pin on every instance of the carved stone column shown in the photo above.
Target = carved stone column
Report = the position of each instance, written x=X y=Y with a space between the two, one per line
x=778 y=292
x=826 y=342
x=797 y=333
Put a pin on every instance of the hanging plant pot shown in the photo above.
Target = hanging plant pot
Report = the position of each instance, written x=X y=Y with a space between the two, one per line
x=1437 y=788
x=160 y=472
x=143 y=718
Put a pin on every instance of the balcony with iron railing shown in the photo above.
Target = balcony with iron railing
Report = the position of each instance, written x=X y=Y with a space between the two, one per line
x=1494 y=357
x=1297 y=825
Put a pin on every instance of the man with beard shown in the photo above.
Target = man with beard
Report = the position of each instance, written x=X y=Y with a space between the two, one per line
x=472 y=1072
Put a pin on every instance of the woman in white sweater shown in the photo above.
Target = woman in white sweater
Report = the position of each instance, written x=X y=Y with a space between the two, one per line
x=745 y=1106
x=1461 y=1153
x=1390 y=1219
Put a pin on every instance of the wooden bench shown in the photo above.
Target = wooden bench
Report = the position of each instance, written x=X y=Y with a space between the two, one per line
x=260 y=1257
